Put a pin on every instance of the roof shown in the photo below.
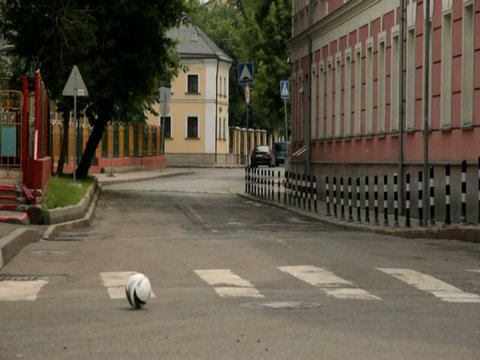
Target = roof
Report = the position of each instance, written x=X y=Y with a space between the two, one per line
x=193 y=43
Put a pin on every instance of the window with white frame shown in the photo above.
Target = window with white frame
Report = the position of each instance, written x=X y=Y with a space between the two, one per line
x=348 y=92
x=321 y=101
x=410 y=85
x=358 y=89
x=394 y=69
x=381 y=84
x=314 y=106
x=468 y=51
x=369 y=88
x=446 y=76
x=338 y=94
x=192 y=127
x=192 y=84
x=329 y=119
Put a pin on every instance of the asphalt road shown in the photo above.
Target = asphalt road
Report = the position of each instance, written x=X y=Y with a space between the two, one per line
x=235 y=279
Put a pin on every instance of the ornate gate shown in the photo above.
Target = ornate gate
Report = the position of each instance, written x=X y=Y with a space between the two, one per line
x=11 y=134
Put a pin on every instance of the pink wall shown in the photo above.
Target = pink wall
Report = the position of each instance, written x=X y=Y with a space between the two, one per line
x=455 y=143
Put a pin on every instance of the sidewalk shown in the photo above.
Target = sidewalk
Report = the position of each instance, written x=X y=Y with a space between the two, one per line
x=13 y=237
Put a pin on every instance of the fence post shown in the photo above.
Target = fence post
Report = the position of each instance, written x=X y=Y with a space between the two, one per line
x=385 y=200
x=310 y=192
x=315 y=196
x=463 y=218
x=327 y=196
x=304 y=191
x=367 y=201
x=359 y=217
x=246 y=181
x=278 y=185
x=407 y=200
x=342 y=200
x=395 y=201
x=432 y=198
x=420 y=198
x=375 y=200
x=272 y=182
x=350 y=217
x=448 y=220
x=335 y=196
x=285 y=184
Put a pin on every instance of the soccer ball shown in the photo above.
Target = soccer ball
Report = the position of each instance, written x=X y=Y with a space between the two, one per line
x=138 y=290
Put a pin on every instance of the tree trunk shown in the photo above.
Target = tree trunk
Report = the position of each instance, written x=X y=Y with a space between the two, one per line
x=90 y=148
x=64 y=147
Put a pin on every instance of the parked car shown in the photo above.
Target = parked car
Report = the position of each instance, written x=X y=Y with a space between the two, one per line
x=261 y=155
x=280 y=152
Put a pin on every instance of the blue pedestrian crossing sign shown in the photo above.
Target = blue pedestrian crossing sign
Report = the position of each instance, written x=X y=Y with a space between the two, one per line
x=245 y=73
x=284 y=93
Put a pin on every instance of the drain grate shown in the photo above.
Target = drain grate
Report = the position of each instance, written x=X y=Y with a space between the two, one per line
x=11 y=277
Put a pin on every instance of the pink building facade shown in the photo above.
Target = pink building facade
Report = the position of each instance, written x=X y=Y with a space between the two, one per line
x=347 y=111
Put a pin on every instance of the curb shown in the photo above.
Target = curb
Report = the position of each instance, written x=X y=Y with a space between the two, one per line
x=53 y=230
x=11 y=244
x=160 y=175
x=461 y=233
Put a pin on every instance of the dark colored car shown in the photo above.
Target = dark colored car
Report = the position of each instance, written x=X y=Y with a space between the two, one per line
x=280 y=152
x=261 y=155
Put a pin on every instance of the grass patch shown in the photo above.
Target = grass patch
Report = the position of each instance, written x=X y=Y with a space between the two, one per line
x=63 y=191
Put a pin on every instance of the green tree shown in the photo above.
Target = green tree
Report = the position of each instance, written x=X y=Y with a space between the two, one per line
x=257 y=31
x=223 y=23
x=123 y=61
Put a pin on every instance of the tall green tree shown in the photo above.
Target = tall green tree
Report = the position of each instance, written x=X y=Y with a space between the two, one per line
x=257 y=31
x=125 y=59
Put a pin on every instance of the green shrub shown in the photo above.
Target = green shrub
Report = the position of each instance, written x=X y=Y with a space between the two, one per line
x=63 y=191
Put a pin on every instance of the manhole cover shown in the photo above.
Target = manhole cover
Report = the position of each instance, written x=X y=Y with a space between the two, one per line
x=282 y=305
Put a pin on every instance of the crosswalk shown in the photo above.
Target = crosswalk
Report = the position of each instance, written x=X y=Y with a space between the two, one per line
x=228 y=284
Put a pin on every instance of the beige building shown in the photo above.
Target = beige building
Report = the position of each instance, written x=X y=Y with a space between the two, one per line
x=196 y=124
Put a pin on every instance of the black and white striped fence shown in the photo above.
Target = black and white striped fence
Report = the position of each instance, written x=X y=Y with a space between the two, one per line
x=355 y=193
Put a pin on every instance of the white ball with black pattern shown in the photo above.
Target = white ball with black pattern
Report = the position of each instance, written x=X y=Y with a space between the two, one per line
x=138 y=290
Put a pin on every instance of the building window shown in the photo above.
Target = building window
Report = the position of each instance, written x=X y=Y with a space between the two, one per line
x=348 y=91
x=314 y=124
x=192 y=84
x=369 y=88
x=358 y=89
x=467 y=65
x=446 y=77
x=329 y=119
x=381 y=86
x=394 y=82
x=410 y=91
x=338 y=96
x=167 y=126
x=192 y=127
x=321 y=101
x=225 y=87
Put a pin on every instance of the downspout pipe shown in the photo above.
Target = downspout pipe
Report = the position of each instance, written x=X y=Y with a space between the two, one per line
x=401 y=92
x=308 y=133
x=216 y=108
x=426 y=96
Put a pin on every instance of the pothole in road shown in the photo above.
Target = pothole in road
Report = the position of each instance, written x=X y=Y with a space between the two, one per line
x=282 y=305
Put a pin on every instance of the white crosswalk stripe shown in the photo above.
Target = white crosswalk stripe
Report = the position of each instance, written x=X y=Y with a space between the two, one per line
x=330 y=283
x=228 y=284
x=15 y=290
x=428 y=283
x=115 y=283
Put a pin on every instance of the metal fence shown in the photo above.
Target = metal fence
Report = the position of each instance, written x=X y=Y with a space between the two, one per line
x=374 y=199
